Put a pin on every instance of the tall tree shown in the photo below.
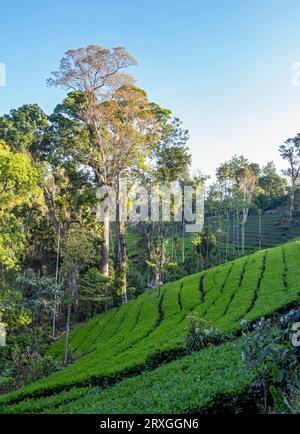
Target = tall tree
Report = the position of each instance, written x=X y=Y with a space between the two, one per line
x=19 y=187
x=170 y=164
x=290 y=151
x=132 y=129
x=78 y=251
x=272 y=187
x=68 y=194
x=95 y=73
x=240 y=178
x=26 y=130
x=204 y=244
x=130 y=125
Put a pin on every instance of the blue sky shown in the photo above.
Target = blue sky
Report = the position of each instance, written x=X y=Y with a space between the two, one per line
x=222 y=66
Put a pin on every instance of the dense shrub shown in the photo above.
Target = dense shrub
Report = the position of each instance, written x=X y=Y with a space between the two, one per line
x=270 y=348
x=23 y=359
x=200 y=334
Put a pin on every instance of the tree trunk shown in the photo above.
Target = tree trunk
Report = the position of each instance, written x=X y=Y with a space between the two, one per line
x=183 y=241
x=172 y=245
x=243 y=237
x=161 y=254
x=149 y=250
x=122 y=259
x=50 y=207
x=292 y=208
x=67 y=331
x=156 y=280
x=233 y=235
x=122 y=251
x=207 y=253
x=238 y=232
x=244 y=221
x=104 y=266
x=72 y=288
x=56 y=281
x=227 y=236
x=259 y=231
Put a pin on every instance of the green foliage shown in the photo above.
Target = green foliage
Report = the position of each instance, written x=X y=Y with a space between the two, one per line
x=191 y=384
x=23 y=359
x=25 y=129
x=33 y=295
x=294 y=396
x=270 y=348
x=137 y=282
x=272 y=188
x=50 y=168
x=204 y=244
x=200 y=334
x=95 y=293
x=19 y=180
x=153 y=328
x=280 y=401
x=172 y=156
x=78 y=250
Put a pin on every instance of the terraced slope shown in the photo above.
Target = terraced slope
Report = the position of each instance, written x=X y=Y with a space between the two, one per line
x=190 y=384
x=275 y=230
x=141 y=334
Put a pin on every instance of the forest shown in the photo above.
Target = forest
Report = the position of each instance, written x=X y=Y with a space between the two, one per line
x=118 y=316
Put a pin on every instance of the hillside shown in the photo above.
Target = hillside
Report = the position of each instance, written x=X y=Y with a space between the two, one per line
x=190 y=384
x=150 y=331
x=276 y=229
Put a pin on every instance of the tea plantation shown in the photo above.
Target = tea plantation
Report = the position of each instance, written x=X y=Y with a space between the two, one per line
x=145 y=339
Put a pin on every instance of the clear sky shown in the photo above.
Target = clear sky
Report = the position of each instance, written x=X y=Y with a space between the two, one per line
x=222 y=66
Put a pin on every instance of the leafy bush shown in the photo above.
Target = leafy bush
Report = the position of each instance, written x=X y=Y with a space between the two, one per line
x=23 y=361
x=200 y=334
x=137 y=282
x=271 y=349
x=95 y=293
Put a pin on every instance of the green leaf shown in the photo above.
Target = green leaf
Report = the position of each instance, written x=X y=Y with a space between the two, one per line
x=280 y=400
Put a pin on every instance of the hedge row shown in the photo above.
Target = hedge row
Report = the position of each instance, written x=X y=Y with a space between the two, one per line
x=186 y=385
